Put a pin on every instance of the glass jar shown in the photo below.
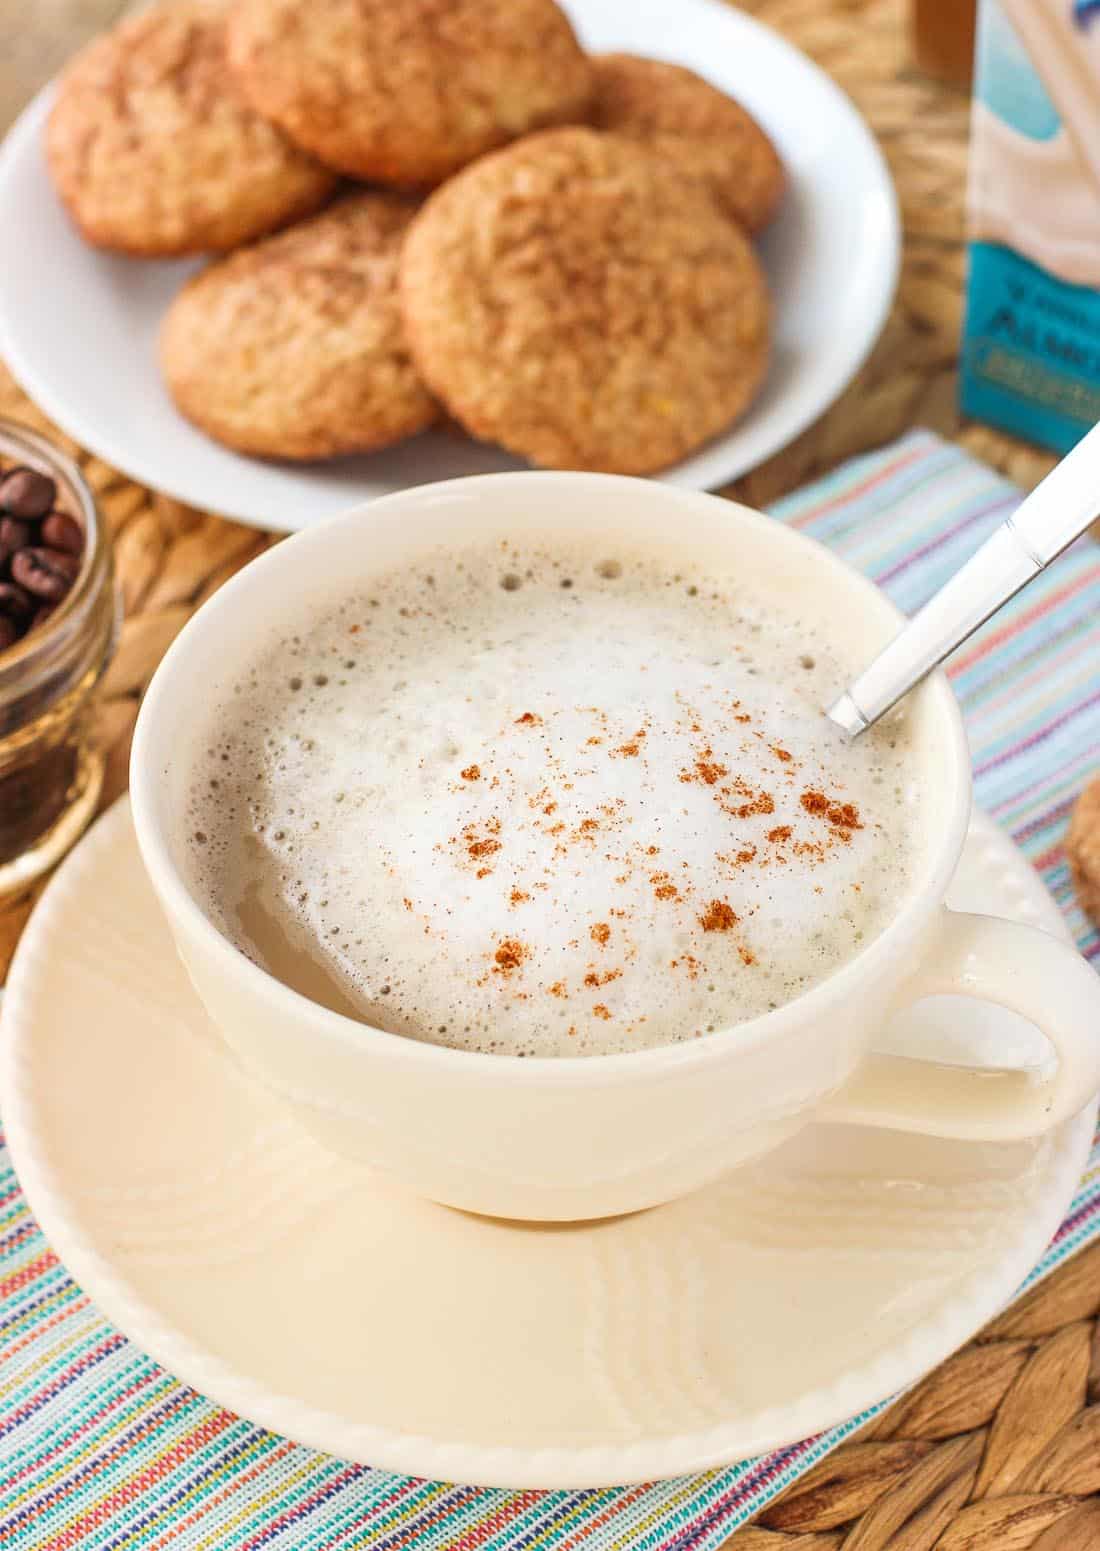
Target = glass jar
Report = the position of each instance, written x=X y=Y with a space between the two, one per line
x=51 y=770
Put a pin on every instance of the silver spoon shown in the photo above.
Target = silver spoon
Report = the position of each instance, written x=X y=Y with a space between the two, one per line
x=1045 y=523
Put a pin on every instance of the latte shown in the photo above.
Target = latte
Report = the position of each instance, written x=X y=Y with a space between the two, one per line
x=544 y=801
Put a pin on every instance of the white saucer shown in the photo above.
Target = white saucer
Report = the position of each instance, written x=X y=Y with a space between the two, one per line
x=327 y=1305
x=78 y=328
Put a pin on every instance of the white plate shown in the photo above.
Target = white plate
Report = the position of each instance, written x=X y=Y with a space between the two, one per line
x=326 y=1304
x=78 y=328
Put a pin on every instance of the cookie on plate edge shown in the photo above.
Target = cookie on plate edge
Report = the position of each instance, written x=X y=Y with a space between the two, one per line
x=154 y=151
x=1083 y=850
x=294 y=347
x=404 y=92
x=705 y=133
x=575 y=299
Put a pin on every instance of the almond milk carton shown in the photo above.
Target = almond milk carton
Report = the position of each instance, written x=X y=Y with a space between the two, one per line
x=1031 y=343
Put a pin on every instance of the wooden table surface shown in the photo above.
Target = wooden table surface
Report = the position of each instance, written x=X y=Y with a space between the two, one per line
x=1028 y=1388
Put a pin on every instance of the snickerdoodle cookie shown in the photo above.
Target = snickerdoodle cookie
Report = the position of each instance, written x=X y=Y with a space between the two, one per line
x=294 y=347
x=704 y=132
x=406 y=91
x=155 y=152
x=1083 y=850
x=574 y=298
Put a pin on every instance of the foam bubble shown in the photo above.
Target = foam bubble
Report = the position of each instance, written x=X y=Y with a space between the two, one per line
x=507 y=814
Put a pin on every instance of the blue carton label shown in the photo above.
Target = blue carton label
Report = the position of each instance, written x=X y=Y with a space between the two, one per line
x=1031 y=349
x=1031 y=342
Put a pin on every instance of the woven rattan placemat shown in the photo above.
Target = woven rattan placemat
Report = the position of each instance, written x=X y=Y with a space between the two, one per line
x=999 y=1450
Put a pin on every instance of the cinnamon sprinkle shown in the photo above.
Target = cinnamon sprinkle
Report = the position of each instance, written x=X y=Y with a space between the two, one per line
x=842 y=816
x=758 y=803
x=663 y=886
x=479 y=846
x=631 y=749
x=816 y=822
x=509 y=956
x=719 y=916
x=706 y=769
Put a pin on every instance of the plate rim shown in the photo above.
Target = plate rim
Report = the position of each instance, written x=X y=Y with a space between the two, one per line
x=927 y=1344
x=24 y=136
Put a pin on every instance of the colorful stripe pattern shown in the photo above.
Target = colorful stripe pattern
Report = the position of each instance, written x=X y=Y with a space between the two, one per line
x=101 y=1449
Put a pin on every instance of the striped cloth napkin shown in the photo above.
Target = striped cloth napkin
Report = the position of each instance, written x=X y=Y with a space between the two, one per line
x=101 y=1449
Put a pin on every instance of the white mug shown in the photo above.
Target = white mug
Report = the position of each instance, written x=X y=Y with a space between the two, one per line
x=591 y=1136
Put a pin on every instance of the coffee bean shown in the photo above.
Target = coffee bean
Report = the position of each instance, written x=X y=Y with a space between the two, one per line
x=60 y=531
x=15 y=603
x=41 y=550
x=13 y=535
x=45 y=573
x=27 y=493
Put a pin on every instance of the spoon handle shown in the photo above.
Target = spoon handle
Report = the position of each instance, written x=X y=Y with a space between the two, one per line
x=1056 y=512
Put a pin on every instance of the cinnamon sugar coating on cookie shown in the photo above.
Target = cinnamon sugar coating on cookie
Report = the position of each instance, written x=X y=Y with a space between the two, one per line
x=294 y=347
x=705 y=133
x=575 y=299
x=405 y=92
x=155 y=152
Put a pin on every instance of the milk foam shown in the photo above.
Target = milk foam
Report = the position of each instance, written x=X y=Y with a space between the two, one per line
x=554 y=803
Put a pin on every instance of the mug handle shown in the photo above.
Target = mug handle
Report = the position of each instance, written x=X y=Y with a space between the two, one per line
x=1018 y=967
